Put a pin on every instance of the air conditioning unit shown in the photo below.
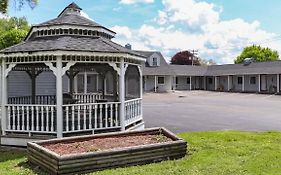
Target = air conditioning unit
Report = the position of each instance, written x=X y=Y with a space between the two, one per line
x=248 y=61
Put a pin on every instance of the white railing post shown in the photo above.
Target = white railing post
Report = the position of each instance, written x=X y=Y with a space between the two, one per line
x=59 y=97
x=122 y=94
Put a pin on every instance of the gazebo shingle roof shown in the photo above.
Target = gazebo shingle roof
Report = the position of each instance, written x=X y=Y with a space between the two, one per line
x=69 y=16
x=69 y=43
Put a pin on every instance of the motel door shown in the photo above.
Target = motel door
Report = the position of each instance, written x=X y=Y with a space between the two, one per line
x=263 y=82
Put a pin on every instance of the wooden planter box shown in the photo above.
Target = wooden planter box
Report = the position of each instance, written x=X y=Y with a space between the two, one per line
x=93 y=161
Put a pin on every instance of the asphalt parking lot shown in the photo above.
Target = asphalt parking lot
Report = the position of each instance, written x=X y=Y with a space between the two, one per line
x=203 y=111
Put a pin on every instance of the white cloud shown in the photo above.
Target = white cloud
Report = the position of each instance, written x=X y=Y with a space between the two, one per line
x=189 y=24
x=122 y=31
x=136 y=1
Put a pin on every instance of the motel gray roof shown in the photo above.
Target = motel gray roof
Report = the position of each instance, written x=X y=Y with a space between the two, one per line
x=188 y=70
x=163 y=69
x=269 y=67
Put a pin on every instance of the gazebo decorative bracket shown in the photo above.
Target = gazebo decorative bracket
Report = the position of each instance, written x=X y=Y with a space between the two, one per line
x=52 y=67
x=125 y=67
x=140 y=70
x=10 y=67
x=67 y=67
x=64 y=69
x=115 y=67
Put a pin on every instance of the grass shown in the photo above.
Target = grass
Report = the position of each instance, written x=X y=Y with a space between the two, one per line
x=218 y=152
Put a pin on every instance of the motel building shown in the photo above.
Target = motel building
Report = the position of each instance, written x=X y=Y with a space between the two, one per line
x=68 y=78
x=159 y=76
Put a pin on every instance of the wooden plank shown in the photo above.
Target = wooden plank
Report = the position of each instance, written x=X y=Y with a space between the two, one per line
x=128 y=152
x=121 y=150
x=38 y=162
x=45 y=157
x=125 y=162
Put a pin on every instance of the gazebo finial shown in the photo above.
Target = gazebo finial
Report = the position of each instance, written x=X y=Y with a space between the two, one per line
x=73 y=5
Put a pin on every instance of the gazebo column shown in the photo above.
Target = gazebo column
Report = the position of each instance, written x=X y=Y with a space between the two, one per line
x=33 y=75
x=115 y=94
x=4 y=98
x=103 y=85
x=5 y=72
x=59 y=97
x=123 y=68
x=71 y=74
x=59 y=71
x=141 y=82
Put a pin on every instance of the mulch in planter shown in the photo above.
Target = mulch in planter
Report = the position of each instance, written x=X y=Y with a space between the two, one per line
x=105 y=143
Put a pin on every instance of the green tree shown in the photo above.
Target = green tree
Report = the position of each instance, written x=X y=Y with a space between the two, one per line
x=258 y=53
x=12 y=31
x=18 y=4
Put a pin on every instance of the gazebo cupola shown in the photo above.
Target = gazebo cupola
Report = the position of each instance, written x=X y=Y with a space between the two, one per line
x=72 y=23
x=67 y=78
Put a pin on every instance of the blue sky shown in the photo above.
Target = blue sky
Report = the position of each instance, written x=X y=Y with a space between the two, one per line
x=218 y=28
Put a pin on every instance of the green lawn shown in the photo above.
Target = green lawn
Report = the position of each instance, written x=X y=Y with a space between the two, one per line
x=220 y=152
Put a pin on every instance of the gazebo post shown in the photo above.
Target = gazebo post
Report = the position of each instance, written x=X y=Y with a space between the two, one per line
x=141 y=81
x=71 y=81
x=4 y=98
x=122 y=94
x=59 y=97
x=103 y=85
x=32 y=75
x=114 y=85
x=71 y=74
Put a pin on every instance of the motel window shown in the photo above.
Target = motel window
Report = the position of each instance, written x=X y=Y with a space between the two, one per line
x=210 y=80
x=253 y=80
x=154 y=61
x=240 y=80
x=188 y=80
x=161 y=80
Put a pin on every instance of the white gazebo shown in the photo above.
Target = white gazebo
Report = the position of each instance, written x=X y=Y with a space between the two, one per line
x=68 y=78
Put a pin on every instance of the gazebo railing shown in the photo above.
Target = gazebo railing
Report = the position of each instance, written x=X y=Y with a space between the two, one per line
x=51 y=99
x=41 y=119
x=87 y=98
x=39 y=99
x=133 y=111
x=92 y=116
x=31 y=118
